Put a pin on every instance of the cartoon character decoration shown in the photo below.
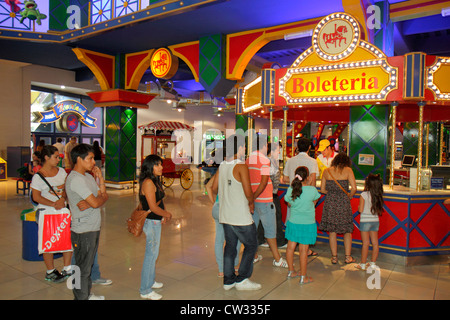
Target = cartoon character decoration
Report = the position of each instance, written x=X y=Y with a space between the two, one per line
x=32 y=12
x=13 y=4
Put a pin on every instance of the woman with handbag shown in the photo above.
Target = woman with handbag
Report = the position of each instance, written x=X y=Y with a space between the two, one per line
x=337 y=216
x=151 y=194
x=48 y=191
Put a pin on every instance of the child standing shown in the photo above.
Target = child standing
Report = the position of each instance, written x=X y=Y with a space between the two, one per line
x=370 y=206
x=301 y=227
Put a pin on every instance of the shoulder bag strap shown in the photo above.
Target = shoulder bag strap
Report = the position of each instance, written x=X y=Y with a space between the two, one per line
x=48 y=184
x=329 y=172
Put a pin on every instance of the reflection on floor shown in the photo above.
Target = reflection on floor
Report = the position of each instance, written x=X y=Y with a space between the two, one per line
x=186 y=262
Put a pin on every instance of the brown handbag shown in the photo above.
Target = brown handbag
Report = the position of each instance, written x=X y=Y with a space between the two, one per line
x=137 y=220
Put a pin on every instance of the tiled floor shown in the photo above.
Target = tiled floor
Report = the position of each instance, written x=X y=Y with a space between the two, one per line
x=186 y=263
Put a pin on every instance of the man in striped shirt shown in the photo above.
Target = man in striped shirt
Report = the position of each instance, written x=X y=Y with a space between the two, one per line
x=259 y=168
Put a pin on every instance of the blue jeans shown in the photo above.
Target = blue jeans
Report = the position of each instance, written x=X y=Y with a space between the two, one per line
x=247 y=236
x=220 y=240
x=152 y=230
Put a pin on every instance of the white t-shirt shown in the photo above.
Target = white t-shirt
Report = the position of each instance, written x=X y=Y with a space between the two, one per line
x=366 y=215
x=57 y=182
x=300 y=160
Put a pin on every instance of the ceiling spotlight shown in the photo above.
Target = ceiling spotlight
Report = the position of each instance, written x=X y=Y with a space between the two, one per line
x=181 y=108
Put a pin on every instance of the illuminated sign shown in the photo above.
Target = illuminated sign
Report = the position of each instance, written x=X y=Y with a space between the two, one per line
x=355 y=70
x=163 y=64
x=55 y=113
x=336 y=36
x=438 y=78
x=352 y=81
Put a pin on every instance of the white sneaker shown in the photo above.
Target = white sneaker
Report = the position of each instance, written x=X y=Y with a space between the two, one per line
x=258 y=258
x=151 y=296
x=94 y=297
x=246 y=284
x=280 y=263
x=157 y=285
x=229 y=286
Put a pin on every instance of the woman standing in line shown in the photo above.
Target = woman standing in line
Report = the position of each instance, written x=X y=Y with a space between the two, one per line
x=151 y=194
x=337 y=216
x=46 y=198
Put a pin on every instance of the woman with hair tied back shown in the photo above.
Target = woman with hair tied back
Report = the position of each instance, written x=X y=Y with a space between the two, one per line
x=370 y=207
x=151 y=194
x=337 y=216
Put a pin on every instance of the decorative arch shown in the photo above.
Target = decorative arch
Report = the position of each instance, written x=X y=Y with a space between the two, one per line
x=135 y=66
x=242 y=46
x=102 y=66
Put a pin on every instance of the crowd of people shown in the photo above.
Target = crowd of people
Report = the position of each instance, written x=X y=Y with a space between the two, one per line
x=244 y=196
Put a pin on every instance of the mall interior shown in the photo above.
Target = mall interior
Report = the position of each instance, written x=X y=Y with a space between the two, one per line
x=128 y=74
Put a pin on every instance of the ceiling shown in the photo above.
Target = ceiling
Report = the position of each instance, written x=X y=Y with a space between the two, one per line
x=427 y=34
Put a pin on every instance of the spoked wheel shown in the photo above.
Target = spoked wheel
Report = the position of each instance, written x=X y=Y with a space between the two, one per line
x=186 y=179
x=167 y=182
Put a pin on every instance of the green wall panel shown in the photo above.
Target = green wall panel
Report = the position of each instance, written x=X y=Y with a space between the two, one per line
x=369 y=135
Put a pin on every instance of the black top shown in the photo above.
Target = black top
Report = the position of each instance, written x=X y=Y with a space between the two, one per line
x=159 y=194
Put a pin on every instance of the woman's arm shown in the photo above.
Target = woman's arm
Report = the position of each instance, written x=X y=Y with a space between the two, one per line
x=324 y=182
x=352 y=181
x=209 y=189
x=149 y=190
x=58 y=204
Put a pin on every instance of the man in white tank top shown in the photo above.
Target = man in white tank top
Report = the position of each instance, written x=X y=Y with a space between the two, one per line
x=235 y=213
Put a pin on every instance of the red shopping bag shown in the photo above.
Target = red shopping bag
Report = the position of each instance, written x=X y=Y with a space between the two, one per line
x=54 y=231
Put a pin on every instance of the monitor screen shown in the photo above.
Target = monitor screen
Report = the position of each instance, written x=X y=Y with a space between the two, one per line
x=408 y=160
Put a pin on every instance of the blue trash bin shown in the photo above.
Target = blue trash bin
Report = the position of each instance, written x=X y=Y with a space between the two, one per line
x=30 y=250
x=30 y=241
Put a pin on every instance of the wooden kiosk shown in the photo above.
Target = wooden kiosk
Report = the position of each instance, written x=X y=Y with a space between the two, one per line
x=343 y=79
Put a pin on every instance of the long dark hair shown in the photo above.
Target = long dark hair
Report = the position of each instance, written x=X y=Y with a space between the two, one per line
x=47 y=150
x=147 y=171
x=297 y=187
x=374 y=185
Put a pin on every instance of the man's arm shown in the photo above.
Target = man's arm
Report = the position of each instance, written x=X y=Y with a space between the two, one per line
x=243 y=176
x=261 y=187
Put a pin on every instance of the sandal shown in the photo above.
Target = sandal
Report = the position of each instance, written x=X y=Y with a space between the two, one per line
x=349 y=259
x=334 y=259
x=312 y=254
x=305 y=280
x=292 y=274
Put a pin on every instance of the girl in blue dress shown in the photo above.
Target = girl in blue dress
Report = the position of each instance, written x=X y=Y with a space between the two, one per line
x=301 y=227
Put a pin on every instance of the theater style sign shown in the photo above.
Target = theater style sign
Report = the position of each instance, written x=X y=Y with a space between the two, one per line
x=68 y=113
x=339 y=67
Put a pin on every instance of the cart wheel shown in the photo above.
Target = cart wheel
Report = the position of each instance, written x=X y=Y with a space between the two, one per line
x=186 y=178
x=167 y=182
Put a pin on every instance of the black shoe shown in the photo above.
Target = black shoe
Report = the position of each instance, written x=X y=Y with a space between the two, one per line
x=55 y=276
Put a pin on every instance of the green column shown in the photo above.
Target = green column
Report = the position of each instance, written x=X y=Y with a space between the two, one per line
x=120 y=141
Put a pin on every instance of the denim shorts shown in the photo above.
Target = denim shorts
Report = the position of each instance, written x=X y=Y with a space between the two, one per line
x=369 y=226
x=265 y=212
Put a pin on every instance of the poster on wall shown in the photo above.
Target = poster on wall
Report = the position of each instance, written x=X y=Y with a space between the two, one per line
x=366 y=159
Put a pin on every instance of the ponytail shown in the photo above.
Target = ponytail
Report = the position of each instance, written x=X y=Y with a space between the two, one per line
x=301 y=173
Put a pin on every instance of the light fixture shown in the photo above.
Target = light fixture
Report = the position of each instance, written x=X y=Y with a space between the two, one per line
x=63 y=86
x=298 y=35
x=180 y=108
x=445 y=12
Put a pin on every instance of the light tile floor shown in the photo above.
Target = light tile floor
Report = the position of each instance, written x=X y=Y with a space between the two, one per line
x=186 y=263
